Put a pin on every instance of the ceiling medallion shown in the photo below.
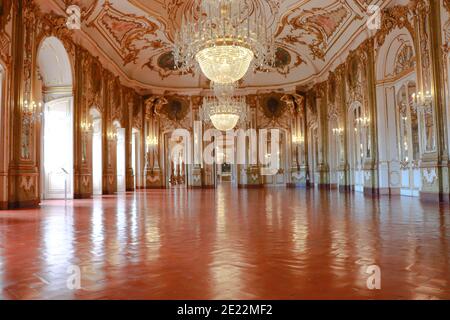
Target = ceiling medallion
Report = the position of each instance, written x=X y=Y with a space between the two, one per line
x=223 y=39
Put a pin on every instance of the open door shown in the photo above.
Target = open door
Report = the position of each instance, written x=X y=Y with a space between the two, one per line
x=121 y=170
x=58 y=149
x=97 y=148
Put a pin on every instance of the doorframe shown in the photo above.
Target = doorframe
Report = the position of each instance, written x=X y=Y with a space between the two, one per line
x=42 y=146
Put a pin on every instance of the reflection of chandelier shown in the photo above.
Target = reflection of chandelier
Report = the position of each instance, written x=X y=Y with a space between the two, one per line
x=225 y=112
x=224 y=37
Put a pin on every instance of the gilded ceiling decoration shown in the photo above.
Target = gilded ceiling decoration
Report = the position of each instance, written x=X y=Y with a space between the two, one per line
x=317 y=25
x=86 y=6
x=5 y=10
x=5 y=39
x=137 y=36
x=128 y=33
x=164 y=64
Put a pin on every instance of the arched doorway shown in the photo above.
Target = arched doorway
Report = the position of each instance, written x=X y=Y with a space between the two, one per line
x=57 y=122
x=2 y=98
x=97 y=152
x=225 y=159
x=280 y=160
x=399 y=147
x=120 y=158
x=136 y=157
x=1 y=91
x=334 y=136
x=3 y=138
x=357 y=145
x=409 y=143
x=176 y=154
x=313 y=154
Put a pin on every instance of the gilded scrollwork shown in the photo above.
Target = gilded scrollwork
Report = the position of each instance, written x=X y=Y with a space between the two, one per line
x=394 y=17
x=315 y=28
x=5 y=13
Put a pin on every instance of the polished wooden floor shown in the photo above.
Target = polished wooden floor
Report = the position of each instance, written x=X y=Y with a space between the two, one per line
x=226 y=244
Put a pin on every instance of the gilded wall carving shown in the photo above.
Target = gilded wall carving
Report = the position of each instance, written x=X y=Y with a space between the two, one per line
x=176 y=113
x=394 y=17
x=5 y=38
x=273 y=111
x=89 y=77
x=405 y=60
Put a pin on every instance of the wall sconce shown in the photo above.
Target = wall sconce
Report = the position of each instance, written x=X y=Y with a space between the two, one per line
x=297 y=139
x=152 y=141
x=422 y=102
x=112 y=135
x=86 y=126
x=31 y=110
x=363 y=121
x=338 y=131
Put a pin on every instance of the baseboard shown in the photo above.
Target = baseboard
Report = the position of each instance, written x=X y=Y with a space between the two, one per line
x=31 y=204
x=82 y=196
x=250 y=186
x=345 y=189
x=373 y=192
x=295 y=185
x=201 y=187
x=3 y=205
x=434 y=197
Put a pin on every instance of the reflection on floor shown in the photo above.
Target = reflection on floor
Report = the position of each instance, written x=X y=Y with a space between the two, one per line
x=226 y=244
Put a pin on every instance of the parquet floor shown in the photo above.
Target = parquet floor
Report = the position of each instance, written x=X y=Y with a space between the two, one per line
x=272 y=243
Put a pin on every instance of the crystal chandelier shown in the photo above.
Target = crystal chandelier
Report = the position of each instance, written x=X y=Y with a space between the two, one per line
x=224 y=38
x=224 y=112
x=224 y=90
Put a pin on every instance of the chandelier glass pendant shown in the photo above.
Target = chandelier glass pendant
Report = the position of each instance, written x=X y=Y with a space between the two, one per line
x=224 y=112
x=224 y=37
x=224 y=90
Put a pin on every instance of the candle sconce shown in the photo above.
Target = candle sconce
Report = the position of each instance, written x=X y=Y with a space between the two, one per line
x=363 y=121
x=112 y=135
x=297 y=139
x=152 y=141
x=31 y=111
x=338 y=131
x=422 y=102
x=86 y=126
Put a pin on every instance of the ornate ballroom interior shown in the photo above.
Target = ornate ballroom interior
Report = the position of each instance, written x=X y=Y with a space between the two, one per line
x=93 y=179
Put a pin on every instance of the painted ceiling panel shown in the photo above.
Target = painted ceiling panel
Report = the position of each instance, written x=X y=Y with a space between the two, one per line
x=137 y=36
